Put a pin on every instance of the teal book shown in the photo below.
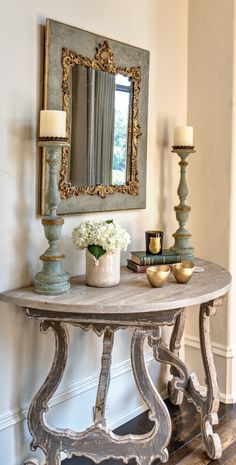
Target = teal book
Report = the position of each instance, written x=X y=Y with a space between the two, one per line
x=144 y=259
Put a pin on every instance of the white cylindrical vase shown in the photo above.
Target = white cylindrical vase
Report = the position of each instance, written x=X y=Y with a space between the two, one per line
x=104 y=272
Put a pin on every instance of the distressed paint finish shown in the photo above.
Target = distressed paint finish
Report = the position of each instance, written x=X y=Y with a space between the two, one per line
x=52 y=280
x=208 y=404
x=143 y=308
x=104 y=378
x=206 y=400
x=163 y=354
x=175 y=395
x=182 y=235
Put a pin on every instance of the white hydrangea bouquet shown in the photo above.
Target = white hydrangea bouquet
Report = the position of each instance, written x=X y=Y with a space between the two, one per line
x=100 y=237
x=103 y=241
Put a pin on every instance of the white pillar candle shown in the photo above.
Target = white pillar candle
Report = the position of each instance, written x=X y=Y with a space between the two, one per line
x=183 y=136
x=52 y=123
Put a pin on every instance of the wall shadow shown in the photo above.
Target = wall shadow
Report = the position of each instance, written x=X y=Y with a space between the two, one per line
x=166 y=182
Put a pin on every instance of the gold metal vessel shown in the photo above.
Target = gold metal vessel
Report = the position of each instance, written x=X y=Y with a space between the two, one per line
x=183 y=271
x=157 y=275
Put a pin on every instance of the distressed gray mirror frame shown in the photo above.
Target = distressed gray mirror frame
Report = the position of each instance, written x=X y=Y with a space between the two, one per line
x=63 y=41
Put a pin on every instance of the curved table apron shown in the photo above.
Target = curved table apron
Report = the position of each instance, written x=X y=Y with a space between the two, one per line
x=131 y=304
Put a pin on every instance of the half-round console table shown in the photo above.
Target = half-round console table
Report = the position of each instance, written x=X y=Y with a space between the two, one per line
x=131 y=304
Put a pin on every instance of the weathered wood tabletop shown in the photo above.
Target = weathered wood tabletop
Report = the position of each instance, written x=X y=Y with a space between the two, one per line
x=133 y=295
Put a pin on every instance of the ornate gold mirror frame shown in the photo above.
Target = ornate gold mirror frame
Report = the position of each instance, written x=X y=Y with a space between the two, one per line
x=65 y=47
x=103 y=61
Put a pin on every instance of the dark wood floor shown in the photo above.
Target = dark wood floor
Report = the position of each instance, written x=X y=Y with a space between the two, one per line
x=186 y=446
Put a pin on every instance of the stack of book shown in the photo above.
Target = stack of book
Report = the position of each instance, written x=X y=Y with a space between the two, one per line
x=140 y=260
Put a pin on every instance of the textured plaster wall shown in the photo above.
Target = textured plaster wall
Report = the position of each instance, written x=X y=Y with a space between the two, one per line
x=157 y=25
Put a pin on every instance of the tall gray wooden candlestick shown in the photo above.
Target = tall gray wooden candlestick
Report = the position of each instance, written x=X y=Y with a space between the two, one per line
x=182 y=235
x=52 y=280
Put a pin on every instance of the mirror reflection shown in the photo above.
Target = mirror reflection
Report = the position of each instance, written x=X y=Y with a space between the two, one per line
x=100 y=119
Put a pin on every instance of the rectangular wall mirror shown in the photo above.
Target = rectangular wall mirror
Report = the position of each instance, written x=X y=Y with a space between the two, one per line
x=102 y=85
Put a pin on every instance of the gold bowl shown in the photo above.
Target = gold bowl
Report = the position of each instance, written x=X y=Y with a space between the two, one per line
x=183 y=271
x=157 y=275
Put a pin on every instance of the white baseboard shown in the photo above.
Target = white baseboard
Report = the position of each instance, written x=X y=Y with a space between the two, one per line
x=217 y=349
x=223 y=351
x=227 y=398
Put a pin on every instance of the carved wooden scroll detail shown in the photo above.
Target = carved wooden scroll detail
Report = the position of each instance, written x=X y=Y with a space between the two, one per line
x=39 y=406
x=160 y=435
x=206 y=400
x=104 y=378
x=163 y=354
x=104 y=61
x=176 y=396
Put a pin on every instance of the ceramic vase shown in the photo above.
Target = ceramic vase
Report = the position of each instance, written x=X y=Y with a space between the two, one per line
x=104 y=272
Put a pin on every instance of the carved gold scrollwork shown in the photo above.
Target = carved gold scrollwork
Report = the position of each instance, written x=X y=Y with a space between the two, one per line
x=104 y=58
x=103 y=61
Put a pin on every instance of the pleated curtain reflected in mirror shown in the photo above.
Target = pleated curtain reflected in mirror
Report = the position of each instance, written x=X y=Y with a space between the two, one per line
x=92 y=134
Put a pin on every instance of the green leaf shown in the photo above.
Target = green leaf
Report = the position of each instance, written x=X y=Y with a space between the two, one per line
x=109 y=221
x=96 y=250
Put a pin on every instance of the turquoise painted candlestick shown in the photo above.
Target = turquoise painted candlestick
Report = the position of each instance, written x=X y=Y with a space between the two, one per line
x=52 y=280
x=182 y=235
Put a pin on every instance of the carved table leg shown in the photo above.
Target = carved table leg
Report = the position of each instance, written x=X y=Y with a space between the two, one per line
x=158 y=410
x=211 y=404
x=176 y=396
x=162 y=354
x=39 y=406
x=205 y=400
x=104 y=379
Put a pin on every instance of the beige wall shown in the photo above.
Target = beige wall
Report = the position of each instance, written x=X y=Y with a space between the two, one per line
x=157 y=25
x=210 y=110
x=232 y=298
x=210 y=75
